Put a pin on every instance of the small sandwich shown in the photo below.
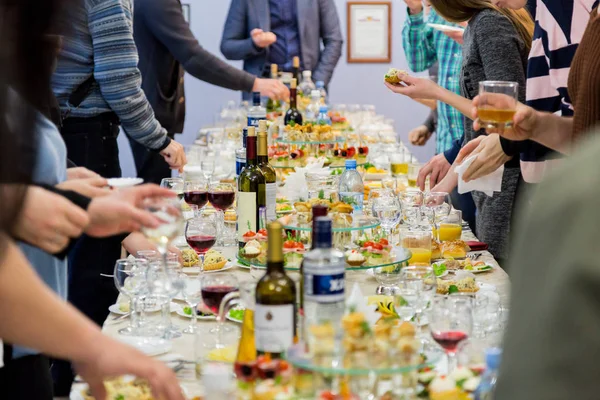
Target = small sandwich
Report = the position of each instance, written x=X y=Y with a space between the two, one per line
x=392 y=76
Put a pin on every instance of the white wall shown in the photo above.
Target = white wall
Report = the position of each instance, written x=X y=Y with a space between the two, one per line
x=352 y=83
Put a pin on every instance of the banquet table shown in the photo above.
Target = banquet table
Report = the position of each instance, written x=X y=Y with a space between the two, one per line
x=183 y=347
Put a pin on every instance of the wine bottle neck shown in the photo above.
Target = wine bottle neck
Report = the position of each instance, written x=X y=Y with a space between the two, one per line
x=293 y=95
x=251 y=150
x=273 y=266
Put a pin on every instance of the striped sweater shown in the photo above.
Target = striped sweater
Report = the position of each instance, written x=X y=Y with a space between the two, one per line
x=559 y=27
x=100 y=43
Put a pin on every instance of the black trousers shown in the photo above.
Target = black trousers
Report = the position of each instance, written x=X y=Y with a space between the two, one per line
x=25 y=378
x=150 y=165
x=91 y=143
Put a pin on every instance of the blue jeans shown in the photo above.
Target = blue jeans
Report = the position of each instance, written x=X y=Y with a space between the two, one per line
x=464 y=203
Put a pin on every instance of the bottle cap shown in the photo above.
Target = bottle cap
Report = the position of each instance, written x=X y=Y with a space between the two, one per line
x=315 y=94
x=493 y=356
x=351 y=164
x=320 y=84
x=307 y=73
x=256 y=98
x=322 y=235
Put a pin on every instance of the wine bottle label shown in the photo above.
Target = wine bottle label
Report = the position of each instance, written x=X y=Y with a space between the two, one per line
x=246 y=214
x=271 y=191
x=355 y=199
x=273 y=327
x=324 y=284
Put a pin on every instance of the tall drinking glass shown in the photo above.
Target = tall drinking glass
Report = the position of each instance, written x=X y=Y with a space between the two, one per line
x=419 y=243
x=497 y=104
x=450 y=227
x=214 y=288
x=130 y=280
x=221 y=197
x=413 y=174
x=451 y=322
x=165 y=281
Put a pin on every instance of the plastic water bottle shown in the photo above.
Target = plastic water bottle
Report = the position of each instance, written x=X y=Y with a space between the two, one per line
x=323 y=118
x=321 y=88
x=485 y=390
x=323 y=275
x=352 y=189
x=307 y=85
x=256 y=112
x=312 y=110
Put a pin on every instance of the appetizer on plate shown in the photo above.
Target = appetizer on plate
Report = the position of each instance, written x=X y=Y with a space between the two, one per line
x=355 y=258
x=464 y=285
x=190 y=258
x=392 y=76
x=454 y=249
x=124 y=389
x=293 y=252
x=213 y=261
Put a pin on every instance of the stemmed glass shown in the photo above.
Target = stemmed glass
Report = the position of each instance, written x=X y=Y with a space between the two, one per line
x=173 y=184
x=436 y=207
x=165 y=281
x=376 y=193
x=221 y=197
x=201 y=235
x=387 y=210
x=168 y=211
x=406 y=298
x=424 y=278
x=193 y=296
x=411 y=202
x=214 y=288
x=130 y=280
x=195 y=192
x=208 y=169
x=451 y=322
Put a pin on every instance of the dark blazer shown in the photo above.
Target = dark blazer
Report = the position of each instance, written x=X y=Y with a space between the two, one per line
x=317 y=21
x=167 y=47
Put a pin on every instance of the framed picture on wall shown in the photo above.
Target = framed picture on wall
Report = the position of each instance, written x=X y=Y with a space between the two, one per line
x=369 y=25
x=185 y=8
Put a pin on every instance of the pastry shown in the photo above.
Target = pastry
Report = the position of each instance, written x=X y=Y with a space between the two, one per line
x=341 y=207
x=444 y=388
x=454 y=249
x=355 y=258
x=436 y=251
x=302 y=206
x=465 y=285
x=392 y=75
x=213 y=261
x=190 y=258
x=251 y=252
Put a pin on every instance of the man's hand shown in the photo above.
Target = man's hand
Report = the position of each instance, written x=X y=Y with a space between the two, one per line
x=262 y=39
x=419 y=135
x=436 y=168
x=49 y=221
x=271 y=88
x=525 y=120
x=80 y=173
x=89 y=187
x=120 y=211
x=107 y=358
x=415 y=88
x=174 y=155
x=414 y=6
x=490 y=156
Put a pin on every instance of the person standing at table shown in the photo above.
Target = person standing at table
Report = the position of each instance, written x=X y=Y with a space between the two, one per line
x=167 y=49
x=265 y=32
x=424 y=47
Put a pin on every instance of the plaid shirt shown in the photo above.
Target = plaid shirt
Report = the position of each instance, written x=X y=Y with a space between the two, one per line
x=423 y=47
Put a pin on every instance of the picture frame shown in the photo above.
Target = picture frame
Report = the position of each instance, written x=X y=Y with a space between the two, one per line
x=369 y=31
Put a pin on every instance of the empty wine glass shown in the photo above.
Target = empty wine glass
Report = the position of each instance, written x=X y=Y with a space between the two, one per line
x=436 y=207
x=451 y=322
x=130 y=280
x=221 y=197
x=388 y=278
x=173 y=184
x=195 y=191
x=388 y=210
x=411 y=202
x=165 y=281
x=427 y=284
x=208 y=169
x=214 y=288
x=201 y=235
x=193 y=296
x=406 y=298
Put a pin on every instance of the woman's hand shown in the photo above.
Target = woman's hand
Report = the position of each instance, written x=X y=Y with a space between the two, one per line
x=490 y=156
x=416 y=88
x=525 y=120
x=80 y=173
x=89 y=187
x=436 y=168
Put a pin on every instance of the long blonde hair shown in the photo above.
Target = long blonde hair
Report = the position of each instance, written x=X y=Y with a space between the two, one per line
x=463 y=10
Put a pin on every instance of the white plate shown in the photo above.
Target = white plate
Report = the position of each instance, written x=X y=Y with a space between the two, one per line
x=150 y=346
x=200 y=317
x=446 y=28
x=124 y=182
x=115 y=309
x=196 y=270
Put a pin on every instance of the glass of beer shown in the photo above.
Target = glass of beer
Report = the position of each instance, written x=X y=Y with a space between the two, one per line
x=413 y=174
x=399 y=163
x=497 y=103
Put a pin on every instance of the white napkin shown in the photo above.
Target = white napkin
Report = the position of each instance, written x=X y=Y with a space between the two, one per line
x=295 y=183
x=488 y=184
x=358 y=302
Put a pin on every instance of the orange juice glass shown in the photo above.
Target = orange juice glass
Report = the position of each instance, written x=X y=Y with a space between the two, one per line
x=419 y=243
x=450 y=228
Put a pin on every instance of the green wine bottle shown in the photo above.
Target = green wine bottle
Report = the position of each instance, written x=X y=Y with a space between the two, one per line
x=275 y=310
x=267 y=170
x=292 y=115
x=251 y=191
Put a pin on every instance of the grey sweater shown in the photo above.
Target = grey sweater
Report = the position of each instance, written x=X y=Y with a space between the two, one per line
x=493 y=51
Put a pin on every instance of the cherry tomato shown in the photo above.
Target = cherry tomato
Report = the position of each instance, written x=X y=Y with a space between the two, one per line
x=377 y=246
x=299 y=245
x=382 y=241
x=249 y=234
x=262 y=232
x=368 y=244
x=289 y=244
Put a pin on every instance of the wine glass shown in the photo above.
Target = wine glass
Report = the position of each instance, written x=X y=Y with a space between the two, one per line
x=165 y=281
x=437 y=206
x=195 y=192
x=201 y=235
x=406 y=298
x=130 y=280
x=173 y=184
x=411 y=202
x=193 y=296
x=388 y=278
x=221 y=197
x=388 y=210
x=375 y=193
x=148 y=255
x=427 y=283
x=208 y=169
x=214 y=288
x=451 y=322
x=168 y=211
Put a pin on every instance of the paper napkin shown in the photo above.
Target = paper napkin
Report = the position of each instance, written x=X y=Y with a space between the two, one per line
x=488 y=184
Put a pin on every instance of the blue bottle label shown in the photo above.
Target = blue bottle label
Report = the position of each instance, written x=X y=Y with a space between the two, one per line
x=253 y=121
x=240 y=164
x=324 y=288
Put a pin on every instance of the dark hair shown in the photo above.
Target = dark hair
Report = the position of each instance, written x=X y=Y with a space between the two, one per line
x=26 y=63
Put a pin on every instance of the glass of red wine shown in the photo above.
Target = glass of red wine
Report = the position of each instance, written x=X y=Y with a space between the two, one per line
x=451 y=322
x=214 y=288
x=201 y=235
x=222 y=197
x=196 y=192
